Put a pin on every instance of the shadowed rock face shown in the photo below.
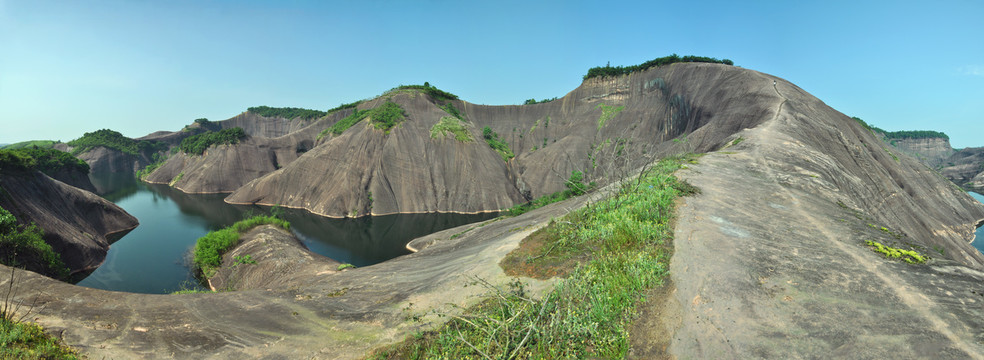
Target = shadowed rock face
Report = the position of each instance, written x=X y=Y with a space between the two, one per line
x=103 y=160
x=769 y=259
x=966 y=168
x=77 y=224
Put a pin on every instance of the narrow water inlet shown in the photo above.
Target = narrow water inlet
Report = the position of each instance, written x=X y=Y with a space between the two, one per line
x=979 y=233
x=154 y=257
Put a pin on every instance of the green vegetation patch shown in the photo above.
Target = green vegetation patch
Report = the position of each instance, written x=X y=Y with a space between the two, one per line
x=608 y=112
x=575 y=187
x=534 y=101
x=22 y=340
x=24 y=246
x=386 y=116
x=287 y=112
x=45 y=144
x=609 y=70
x=497 y=144
x=909 y=256
x=449 y=125
x=435 y=93
x=901 y=135
x=209 y=248
x=621 y=244
x=197 y=144
x=114 y=140
x=382 y=117
x=16 y=161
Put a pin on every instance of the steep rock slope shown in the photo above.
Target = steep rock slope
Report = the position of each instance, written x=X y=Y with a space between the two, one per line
x=77 y=224
x=604 y=128
x=769 y=260
x=105 y=160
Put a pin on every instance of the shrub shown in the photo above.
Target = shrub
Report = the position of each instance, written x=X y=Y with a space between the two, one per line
x=197 y=144
x=386 y=116
x=114 y=140
x=435 y=93
x=51 y=161
x=209 y=248
x=609 y=70
x=12 y=160
x=497 y=144
x=25 y=246
x=450 y=125
x=286 y=112
x=382 y=117
x=533 y=101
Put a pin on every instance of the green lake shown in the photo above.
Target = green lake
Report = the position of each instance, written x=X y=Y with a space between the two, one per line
x=154 y=258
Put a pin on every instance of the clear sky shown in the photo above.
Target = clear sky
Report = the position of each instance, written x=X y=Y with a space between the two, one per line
x=69 y=67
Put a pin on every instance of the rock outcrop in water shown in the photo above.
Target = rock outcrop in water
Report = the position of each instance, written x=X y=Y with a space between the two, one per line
x=77 y=224
x=770 y=259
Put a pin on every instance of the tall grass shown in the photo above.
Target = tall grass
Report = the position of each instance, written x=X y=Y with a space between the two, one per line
x=586 y=315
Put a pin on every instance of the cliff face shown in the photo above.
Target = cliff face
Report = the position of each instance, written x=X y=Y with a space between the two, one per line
x=605 y=128
x=104 y=160
x=966 y=168
x=932 y=151
x=77 y=224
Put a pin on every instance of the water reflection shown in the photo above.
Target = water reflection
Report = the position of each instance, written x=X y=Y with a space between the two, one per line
x=153 y=257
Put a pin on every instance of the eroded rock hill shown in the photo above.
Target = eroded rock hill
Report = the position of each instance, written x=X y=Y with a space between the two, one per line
x=770 y=259
x=603 y=128
x=932 y=151
x=77 y=224
x=966 y=168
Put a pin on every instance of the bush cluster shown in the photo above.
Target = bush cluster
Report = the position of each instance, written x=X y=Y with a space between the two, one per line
x=435 y=93
x=497 y=144
x=905 y=134
x=24 y=246
x=533 y=101
x=114 y=140
x=575 y=187
x=453 y=126
x=609 y=70
x=287 y=112
x=197 y=144
x=209 y=248
x=383 y=117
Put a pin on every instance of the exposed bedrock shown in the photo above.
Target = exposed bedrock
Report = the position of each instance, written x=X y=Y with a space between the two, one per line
x=77 y=224
x=770 y=258
x=269 y=257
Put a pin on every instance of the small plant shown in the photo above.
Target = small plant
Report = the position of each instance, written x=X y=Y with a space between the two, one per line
x=345 y=266
x=909 y=256
x=451 y=126
x=608 y=112
x=244 y=260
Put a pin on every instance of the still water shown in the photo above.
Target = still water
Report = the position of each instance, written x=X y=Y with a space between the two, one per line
x=979 y=240
x=154 y=258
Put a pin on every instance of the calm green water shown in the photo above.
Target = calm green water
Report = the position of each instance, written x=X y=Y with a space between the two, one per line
x=979 y=240
x=154 y=258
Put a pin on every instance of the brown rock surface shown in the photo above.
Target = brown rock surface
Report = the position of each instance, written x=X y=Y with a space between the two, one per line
x=77 y=224
x=769 y=260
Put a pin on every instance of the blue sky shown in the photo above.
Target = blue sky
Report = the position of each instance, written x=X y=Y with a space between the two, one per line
x=68 y=67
